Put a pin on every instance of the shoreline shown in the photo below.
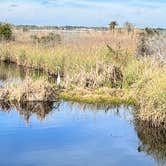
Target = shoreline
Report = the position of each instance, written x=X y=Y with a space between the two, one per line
x=142 y=85
x=92 y=96
x=153 y=119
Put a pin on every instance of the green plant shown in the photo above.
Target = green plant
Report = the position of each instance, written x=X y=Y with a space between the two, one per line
x=5 y=32
x=22 y=57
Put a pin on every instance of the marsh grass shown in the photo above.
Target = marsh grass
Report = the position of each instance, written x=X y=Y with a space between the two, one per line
x=80 y=55
x=29 y=91
x=145 y=79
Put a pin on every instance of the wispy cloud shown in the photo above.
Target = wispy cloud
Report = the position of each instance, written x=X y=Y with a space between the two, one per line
x=14 y=5
x=84 y=12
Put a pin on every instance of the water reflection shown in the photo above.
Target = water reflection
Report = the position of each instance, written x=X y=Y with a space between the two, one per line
x=152 y=141
x=13 y=73
x=9 y=72
x=28 y=109
x=67 y=129
x=116 y=110
x=42 y=109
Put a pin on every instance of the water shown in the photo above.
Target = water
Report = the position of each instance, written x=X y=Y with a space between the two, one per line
x=12 y=73
x=72 y=134
x=64 y=133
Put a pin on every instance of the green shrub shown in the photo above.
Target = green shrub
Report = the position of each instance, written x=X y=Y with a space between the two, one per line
x=5 y=32
x=50 y=40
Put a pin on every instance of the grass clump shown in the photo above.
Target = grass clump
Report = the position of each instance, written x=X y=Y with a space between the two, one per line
x=29 y=91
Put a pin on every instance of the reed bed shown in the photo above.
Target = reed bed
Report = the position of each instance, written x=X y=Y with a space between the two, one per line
x=29 y=91
x=98 y=66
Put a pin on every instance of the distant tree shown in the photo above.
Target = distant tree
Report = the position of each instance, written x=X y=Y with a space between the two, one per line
x=113 y=25
x=5 y=31
x=150 y=31
x=129 y=27
x=25 y=29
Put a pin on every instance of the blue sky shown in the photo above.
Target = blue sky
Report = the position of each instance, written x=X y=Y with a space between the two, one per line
x=84 y=12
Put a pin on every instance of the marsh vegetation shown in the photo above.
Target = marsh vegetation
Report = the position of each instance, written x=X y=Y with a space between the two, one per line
x=121 y=65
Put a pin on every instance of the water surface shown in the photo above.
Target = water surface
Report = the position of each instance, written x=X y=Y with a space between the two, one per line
x=72 y=134
x=65 y=134
x=13 y=73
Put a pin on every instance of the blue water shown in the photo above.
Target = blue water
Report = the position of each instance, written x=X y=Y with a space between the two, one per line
x=72 y=135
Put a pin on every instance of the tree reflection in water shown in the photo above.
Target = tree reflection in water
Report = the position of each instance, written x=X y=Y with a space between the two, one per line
x=115 y=110
x=152 y=141
x=40 y=109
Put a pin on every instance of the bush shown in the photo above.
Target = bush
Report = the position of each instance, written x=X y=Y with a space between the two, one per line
x=152 y=43
x=5 y=32
x=50 y=40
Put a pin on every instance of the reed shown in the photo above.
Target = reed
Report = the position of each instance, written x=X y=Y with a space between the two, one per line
x=96 y=66
x=29 y=91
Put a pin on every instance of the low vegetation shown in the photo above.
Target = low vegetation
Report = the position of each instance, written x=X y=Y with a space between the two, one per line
x=29 y=91
x=118 y=66
x=5 y=32
x=49 y=40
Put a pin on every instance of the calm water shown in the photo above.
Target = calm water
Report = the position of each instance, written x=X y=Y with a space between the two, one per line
x=65 y=134
x=71 y=134
x=12 y=73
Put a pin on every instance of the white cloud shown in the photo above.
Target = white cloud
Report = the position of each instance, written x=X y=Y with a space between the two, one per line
x=83 y=12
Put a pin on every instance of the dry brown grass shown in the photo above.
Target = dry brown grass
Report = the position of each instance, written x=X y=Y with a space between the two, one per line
x=144 y=79
x=29 y=91
x=86 y=39
x=79 y=52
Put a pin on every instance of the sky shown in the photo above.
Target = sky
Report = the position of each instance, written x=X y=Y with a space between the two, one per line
x=142 y=13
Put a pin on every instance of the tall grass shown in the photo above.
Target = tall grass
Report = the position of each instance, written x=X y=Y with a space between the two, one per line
x=81 y=54
x=89 y=58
